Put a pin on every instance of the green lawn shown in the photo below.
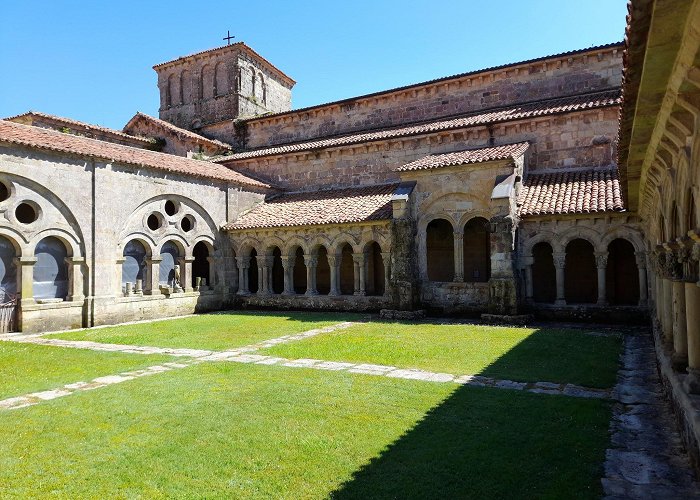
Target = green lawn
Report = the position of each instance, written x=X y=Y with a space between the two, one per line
x=211 y=331
x=28 y=368
x=224 y=430
x=522 y=354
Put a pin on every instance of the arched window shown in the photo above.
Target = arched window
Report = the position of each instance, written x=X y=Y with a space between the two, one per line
x=621 y=274
x=8 y=270
x=299 y=271
x=544 y=284
x=170 y=255
x=375 y=269
x=323 y=272
x=253 y=272
x=440 y=250
x=580 y=273
x=691 y=218
x=51 y=269
x=221 y=79
x=252 y=82
x=263 y=90
x=477 y=250
x=277 y=271
x=134 y=265
x=186 y=86
x=171 y=91
x=347 y=271
x=200 y=266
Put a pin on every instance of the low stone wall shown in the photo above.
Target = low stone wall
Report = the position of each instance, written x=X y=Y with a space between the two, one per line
x=35 y=318
x=455 y=297
x=314 y=302
x=587 y=313
x=686 y=407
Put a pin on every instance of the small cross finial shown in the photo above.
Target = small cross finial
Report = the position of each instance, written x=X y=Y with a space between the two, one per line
x=228 y=37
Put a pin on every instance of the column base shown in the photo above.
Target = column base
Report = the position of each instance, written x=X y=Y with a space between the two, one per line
x=360 y=294
x=679 y=362
x=288 y=294
x=311 y=293
x=560 y=302
x=243 y=293
x=333 y=294
x=692 y=383
x=602 y=303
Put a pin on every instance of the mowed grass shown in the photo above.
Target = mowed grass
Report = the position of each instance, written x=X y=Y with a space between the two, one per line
x=211 y=331
x=224 y=430
x=521 y=354
x=26 y=368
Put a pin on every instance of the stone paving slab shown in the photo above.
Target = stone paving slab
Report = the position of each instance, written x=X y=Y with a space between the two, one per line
x=646 y=458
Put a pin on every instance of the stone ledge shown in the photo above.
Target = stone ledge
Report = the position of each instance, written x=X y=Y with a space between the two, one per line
x=408 y=315
x=506 y=319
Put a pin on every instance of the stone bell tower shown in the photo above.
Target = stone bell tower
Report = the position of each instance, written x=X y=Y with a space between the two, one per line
x=221 y=84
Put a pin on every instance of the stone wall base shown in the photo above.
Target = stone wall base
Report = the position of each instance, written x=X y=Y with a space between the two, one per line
x=405 y=315
x=506 y=319
x=590 y=313
x=686 y=406
x=314 y=302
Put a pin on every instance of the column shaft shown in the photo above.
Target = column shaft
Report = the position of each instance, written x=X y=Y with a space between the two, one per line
x=692 y=317
x=667 y=312
x=680 y=339
x=458 y=257
x=559 y=265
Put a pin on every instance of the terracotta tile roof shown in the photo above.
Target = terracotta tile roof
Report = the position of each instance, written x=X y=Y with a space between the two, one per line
x=177 y=130
x=335 y=206
x=467 y=156
x=75 y=123
x=570 y=53
x=47 y=139
x=571 y=192
x=516 y=112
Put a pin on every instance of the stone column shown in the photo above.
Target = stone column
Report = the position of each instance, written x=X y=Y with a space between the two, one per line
x=25 y=279
x=559 y=265
x=186 y=274
x=153 y=276
x=356 y=274
x=334 y=264
x=601 y=260
x=360 y=260
x=692 y=316
x=679 y=359
x=311 y=262
x=288 y=267
x=265 y=274
x=528 y=262
x=118 y=277
x=386 y=260
x=641 y=260
x=216 y=267
x=75 y=279
x=459 y=256
x=667 y=312
x=243 y=264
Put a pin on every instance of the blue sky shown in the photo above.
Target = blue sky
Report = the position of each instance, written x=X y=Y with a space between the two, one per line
x=91 y=60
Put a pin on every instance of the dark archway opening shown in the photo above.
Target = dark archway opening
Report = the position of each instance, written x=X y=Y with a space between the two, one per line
x=200 y=266
x=299 y=271
x=277 y=271
x=323 y=272
x=477 y=250
x=544 y=279
x=375 y=270
x=439 y=242
x=621 y=274
x=253 y=272
x=580 y=274
x=347 y=271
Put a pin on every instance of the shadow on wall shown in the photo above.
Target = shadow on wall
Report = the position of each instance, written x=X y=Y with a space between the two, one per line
x=493 y=443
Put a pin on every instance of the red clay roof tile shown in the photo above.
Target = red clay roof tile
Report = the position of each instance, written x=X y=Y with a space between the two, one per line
x=335 y=206
x=467 y=156
x=41 y=138
x=571 y=192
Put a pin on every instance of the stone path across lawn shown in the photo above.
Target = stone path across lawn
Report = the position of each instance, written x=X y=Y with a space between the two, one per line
x=646 y=458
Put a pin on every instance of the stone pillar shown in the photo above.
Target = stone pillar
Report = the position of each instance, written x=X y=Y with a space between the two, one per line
x=356 y=274
x=288 y=267
x=311 y=262
x=118 y=277
x=216 y=274
x=559 y=265
x=75 y=279
x=25 y=279
x=360 y=260
x=153 y=276
x=243 y=264
x=679 y=359
x=386 y=260
x=667 y=312
x=601 y=260
x=265 y=274
x=334 y=264
x=692 y=317
x=528 y=262
x=459 y=256
x=186 y=274
x=640 y=258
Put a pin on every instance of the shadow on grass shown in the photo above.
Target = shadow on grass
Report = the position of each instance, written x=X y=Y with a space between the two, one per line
x=494 y=443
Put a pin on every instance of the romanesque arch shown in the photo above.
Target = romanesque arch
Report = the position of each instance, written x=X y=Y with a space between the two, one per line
x=580 y=275
x=440 y=256
x=476 y=250
x=544 y=285
x=622 y=275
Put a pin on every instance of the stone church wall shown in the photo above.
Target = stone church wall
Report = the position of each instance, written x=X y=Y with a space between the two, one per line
x=581 y=139
x=555 y=77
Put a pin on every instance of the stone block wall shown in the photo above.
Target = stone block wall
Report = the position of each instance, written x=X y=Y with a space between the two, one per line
x=518 y=83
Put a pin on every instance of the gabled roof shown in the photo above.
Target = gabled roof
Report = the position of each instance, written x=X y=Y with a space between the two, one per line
x=69 y=122
x=336 y=206
x=484 y=117
x=181 y=132
x=47 y=139
x=576 y=191
x=479 y=155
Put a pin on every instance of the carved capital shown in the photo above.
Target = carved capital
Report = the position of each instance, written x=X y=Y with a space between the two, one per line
x=601 y=260
x=243 y=262
x=359 y=258
x=640 y=258
x=559 y=260
x=333 y=260
x=311 y=260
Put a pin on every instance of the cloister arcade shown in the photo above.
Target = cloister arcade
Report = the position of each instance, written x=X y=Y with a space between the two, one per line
x=581 y=266
x=457 y=252
x=321 y=267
